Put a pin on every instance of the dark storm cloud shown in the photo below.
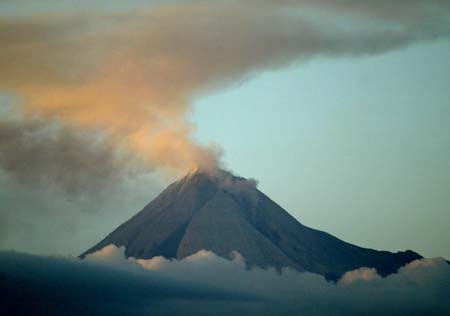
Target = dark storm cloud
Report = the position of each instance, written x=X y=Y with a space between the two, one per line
x=106 y=283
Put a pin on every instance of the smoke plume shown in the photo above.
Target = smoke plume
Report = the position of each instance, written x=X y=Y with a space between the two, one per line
x=134 y=73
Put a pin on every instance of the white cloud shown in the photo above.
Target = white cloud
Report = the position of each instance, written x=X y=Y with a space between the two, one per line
x=420 y=286
x=204 y=284
x=362 y=274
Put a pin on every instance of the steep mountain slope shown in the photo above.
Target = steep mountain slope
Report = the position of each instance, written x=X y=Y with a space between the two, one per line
x=221 y=213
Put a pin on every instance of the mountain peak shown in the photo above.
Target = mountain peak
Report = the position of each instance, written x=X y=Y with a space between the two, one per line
x=217 y=211
x=241 y=188
x=217 y=175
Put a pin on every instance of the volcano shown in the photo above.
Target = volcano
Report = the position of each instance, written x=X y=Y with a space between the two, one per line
x=222 y=213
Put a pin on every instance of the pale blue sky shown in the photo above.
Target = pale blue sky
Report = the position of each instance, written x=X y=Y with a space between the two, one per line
x=357 y=147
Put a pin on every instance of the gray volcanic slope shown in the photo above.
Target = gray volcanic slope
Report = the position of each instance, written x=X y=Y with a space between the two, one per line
x=222 y=213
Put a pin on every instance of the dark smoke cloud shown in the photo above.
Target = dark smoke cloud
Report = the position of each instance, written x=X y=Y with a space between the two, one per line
x=204 y=284
x=60 y=186
x=34 y=151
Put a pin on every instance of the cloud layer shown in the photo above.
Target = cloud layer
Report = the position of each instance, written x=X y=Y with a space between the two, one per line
x=204 y=284
x=54 y=286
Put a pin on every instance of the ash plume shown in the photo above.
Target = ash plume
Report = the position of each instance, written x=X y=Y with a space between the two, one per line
x=135 y=72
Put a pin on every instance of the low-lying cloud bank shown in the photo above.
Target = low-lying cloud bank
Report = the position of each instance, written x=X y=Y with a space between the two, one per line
x=204 y=284
x=34 y=285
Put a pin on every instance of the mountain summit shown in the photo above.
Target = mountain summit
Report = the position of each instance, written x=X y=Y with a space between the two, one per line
x=220 y=212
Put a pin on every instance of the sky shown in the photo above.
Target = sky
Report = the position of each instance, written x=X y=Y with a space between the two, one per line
x=340 y=110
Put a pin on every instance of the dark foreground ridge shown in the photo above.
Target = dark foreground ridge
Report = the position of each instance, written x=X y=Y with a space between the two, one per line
x=221 y=213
